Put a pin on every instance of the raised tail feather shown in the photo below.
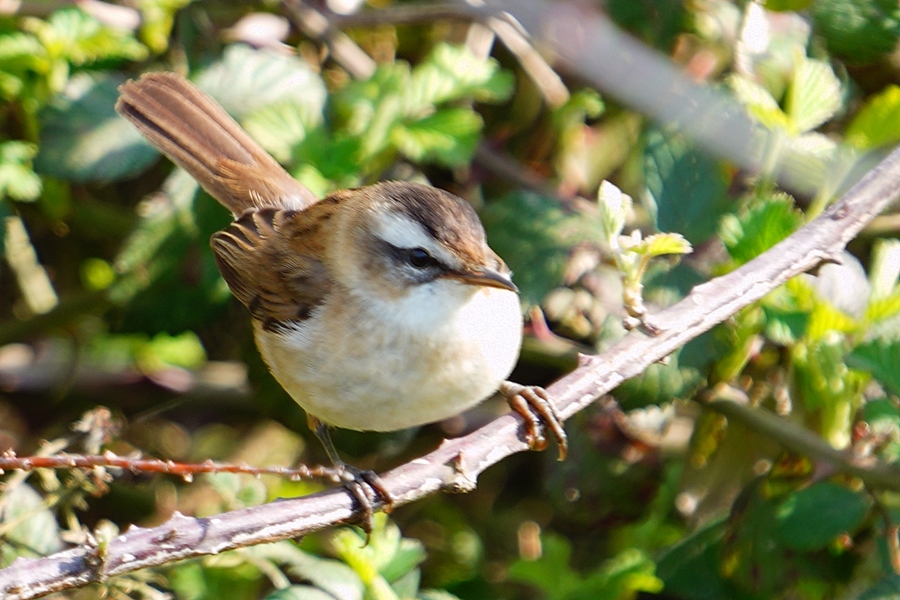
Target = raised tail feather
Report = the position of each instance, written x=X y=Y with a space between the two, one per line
x=196 y=133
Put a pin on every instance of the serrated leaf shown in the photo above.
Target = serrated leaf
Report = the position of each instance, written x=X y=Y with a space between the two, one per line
x=452 y=73
x=749 y=235
x=81 y=39
x=861 y=30
x=19 y=51
x=879 y=358
x=280 y=127
x=686 y=187
x=826 y=318
x=84 y=139
x=758 y=101
x=877 y=123
x=812 y=518
x=246 y=79
x=535 y=236
x=660 y=244
x=17 y=178
x=448 y=137
x=880 y=309
x=814 y=95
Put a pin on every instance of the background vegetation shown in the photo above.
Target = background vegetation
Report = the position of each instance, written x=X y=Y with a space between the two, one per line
x=109 y=297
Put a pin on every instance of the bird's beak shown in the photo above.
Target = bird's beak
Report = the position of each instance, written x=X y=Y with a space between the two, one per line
x=486 y=277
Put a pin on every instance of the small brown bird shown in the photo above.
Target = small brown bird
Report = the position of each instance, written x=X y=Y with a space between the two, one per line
x=377 y=308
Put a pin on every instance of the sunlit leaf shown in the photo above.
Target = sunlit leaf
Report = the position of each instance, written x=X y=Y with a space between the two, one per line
x=17 y=179
x=661 y=244
x=877 y=123
x=449 y=137
x=80 y=38
x=814 y=95
x=246 y=79
x=453 y=72
x=758 y=101
x=748 y=235
x=280 y=127
x=614 y=207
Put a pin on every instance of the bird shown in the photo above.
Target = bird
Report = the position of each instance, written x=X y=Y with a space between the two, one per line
x=377 y=308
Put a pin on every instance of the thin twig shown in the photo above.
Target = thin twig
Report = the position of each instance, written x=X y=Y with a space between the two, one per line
x=154 y=465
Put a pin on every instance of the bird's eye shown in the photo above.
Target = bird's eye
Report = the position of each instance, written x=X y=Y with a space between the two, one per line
x=419 y=258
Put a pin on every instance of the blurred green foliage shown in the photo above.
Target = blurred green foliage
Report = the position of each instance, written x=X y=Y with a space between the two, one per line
x=109 y=296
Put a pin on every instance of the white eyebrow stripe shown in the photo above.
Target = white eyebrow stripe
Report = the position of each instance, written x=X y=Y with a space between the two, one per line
x=401 y=231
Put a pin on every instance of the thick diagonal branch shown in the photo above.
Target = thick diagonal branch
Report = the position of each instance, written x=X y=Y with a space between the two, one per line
x=456 y=465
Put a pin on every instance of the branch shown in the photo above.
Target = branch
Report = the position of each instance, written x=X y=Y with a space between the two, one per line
x=456 y=464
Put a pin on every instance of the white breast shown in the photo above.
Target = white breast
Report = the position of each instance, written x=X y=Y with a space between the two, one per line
x=438 y=351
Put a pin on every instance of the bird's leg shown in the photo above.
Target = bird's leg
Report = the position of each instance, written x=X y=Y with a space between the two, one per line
x=357 y=481
x=539 y=413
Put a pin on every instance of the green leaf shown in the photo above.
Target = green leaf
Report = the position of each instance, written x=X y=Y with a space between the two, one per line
x=281 y=127
x=27 y=523
x=658 y=384
x=437 y=595
x=812 y=518
x=785 y=327
x=877 y=123
x=749 y=235
x=692 y=567
x=300 y=592
x=861 y=30
x=880 y=358
x=758 y=100
x=551 y=572
x=331 y=576
x=661 y=244
x=614 y=208
x=84 y=139
x=886 y=589
x=448 y=137
x=80 y=39
x=17 y=179
x=814 y=95
x=686 y=186
x=452 y=73
x=19 y=53
x=622 y=576
x=246 y=79
x=535 y=236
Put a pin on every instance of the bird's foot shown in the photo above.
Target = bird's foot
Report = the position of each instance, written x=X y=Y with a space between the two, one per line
x=367 y=488
x=537 y=409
